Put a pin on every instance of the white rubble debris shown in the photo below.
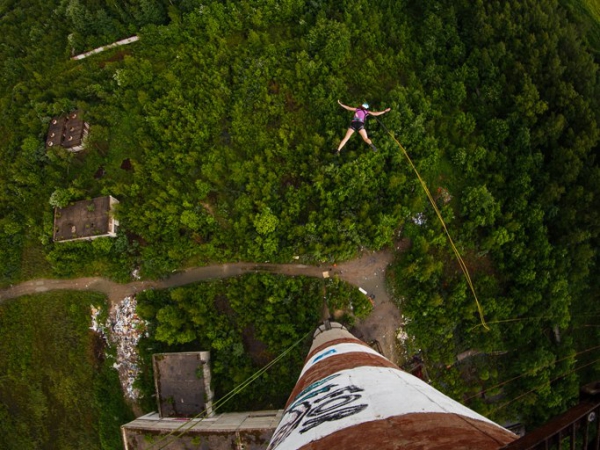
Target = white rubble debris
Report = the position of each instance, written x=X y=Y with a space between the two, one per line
x=402 y=336
x=419 y=219
x=125 y=329
x=96 y=325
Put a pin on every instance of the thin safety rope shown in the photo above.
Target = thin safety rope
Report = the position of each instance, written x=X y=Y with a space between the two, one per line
x=222 y=401
x=543 y=384
x=461 y=263
x=530 y=372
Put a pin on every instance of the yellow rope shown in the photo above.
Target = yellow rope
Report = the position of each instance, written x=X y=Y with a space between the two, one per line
x=461 y=263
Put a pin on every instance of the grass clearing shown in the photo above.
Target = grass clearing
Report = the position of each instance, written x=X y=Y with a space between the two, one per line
x=57 y=389
x=34 y=263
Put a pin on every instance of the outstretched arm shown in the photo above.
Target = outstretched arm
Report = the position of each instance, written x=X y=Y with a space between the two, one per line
x=378 y=113
x=349 y=108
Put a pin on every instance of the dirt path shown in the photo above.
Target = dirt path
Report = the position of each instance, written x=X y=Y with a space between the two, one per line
x=366 y=272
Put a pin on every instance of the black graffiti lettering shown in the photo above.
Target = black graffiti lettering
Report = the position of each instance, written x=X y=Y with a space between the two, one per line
x=315 y=405
x=310 y=392
x=290 y=421
x=330 y=417
x=341 y=391
x=333 y=403
x=331 y=407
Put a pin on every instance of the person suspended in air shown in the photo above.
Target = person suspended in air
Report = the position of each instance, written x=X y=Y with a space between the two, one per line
x=358 y=124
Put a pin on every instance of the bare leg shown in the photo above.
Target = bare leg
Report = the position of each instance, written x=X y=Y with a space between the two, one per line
x=363 y=134
x=349 y=133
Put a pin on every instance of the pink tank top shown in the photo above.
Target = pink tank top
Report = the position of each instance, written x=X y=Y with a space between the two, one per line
x=360 y=114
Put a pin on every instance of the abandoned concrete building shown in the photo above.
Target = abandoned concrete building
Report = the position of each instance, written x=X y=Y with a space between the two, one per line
x=86 y=220
x=185 y=417
x=68 y=131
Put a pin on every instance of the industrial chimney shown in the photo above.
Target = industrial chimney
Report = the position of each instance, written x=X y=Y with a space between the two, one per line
x=348 y=396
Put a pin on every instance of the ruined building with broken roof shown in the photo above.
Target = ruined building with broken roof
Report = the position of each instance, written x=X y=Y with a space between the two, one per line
x=68 y=131
x=86 y=220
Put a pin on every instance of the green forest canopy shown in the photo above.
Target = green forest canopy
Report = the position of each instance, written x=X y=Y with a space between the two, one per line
x=246 y=322
x=226 y=115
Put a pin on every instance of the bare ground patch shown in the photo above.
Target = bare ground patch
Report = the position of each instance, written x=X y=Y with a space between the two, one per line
x=255 y=348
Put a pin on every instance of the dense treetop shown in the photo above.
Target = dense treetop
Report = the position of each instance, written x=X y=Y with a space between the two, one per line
x=215 y=131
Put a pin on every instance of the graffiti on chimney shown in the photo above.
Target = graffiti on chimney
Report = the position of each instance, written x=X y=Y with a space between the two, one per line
x=323 y=401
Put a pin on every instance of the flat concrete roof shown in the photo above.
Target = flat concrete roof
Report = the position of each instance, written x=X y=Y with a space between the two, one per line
x=182 y=389
x=183 y=385
x=84 y=219
x=247 y=430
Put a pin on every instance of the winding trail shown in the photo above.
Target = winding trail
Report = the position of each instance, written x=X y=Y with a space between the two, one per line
x=366 y=272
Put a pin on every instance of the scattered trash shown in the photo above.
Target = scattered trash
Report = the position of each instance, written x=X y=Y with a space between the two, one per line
x=372 y=300
x=402 y=336
x=326 y=274
x=419 y=219
x=125 y=329
x=444 y=195
x=98 y=327
x=362 y=290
